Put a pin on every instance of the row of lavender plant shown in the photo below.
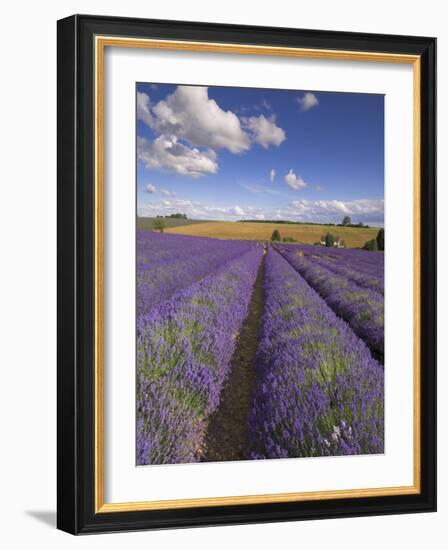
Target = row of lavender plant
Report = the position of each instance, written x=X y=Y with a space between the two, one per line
x=319 y=392
x=184 y=349
x=361 y=260
x=154 y=247
x=362 y=308
x=168 y=263
x=345 y=266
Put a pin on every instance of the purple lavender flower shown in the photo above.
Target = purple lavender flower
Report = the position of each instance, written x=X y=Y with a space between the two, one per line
x=361 y=307
x=168 y=263
x=319 y=392
x=184 y=348
x=355 y=265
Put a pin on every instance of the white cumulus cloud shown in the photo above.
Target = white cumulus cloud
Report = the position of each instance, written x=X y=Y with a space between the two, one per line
x=150 y=188
x=197 y=210
x=364 y=210
x=295 y=182
x=307 y=101
x=177 y=203
x=189 y=113
x=144 y=108
x=168 y=153
x=272 y=175
x=188 y=118
x=369 y=211
x=264 y=130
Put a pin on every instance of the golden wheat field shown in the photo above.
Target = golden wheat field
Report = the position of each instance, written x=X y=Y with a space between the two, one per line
x=308 y=234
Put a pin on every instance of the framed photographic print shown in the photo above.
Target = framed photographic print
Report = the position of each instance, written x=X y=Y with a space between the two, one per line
x=246 y=274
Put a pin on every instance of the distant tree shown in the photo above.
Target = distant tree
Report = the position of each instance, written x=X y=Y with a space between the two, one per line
x=371 y=245
x=347 y=220
x=360 y=224
x=380 y=239
x=159 y=224
x=276 y=235
x=329 y=240
x=177 y=216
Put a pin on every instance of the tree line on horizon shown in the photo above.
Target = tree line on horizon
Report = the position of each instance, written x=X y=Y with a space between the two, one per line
x=346 y=222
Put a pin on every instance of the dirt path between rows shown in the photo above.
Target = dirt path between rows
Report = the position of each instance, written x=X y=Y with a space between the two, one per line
x=226 y=437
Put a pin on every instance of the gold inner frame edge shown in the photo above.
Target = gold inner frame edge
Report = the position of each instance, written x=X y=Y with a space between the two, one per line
x=101 y=42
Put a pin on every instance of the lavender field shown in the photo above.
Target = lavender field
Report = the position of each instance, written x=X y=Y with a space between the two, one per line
x=252 y=350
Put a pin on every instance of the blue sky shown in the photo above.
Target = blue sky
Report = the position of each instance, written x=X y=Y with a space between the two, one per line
x=244 y=153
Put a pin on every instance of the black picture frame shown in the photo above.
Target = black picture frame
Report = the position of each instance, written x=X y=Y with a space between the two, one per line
x=76 y=255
